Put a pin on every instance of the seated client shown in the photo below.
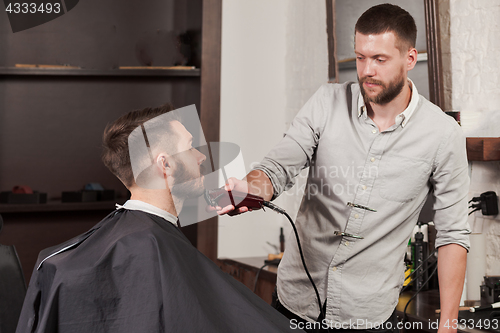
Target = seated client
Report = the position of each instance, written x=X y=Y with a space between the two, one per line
x=135 y=271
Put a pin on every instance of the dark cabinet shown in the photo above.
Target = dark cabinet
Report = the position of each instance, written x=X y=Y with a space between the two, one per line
x=52 y=119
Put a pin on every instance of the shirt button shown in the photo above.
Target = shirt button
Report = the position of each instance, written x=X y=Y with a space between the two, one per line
x=356 y=216
x=372 y=159
x=347 y=243
x=374 y=131
x=363 y=187
x=334 y=269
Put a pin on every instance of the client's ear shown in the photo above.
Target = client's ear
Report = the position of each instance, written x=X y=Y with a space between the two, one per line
x=164 y=164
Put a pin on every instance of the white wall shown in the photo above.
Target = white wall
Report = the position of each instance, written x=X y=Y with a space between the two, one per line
x=274 y=56
x=470 y=31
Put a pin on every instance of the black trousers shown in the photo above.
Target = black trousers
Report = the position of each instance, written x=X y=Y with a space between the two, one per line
x=390 y=326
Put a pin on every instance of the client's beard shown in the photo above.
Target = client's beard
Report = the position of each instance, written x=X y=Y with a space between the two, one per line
x=186 y=184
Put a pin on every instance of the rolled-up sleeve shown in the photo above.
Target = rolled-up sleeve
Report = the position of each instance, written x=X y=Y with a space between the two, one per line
x=450 y=181
x=294 y=152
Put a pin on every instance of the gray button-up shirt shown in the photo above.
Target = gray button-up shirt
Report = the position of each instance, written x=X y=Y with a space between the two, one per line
x=391 y=172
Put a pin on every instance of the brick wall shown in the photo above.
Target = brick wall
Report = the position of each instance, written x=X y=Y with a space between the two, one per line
x=470 y=46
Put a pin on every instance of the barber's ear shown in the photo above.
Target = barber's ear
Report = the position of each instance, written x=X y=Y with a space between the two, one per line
x=412 y=59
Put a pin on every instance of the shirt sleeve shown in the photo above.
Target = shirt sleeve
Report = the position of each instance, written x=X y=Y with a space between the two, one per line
x=450 y=180
x=295 y=151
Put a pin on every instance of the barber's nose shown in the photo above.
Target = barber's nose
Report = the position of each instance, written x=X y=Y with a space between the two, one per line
x=369 y=69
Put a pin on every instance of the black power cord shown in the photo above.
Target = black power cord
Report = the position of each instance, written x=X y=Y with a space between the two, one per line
x=282 y=211
x=274 y=262
x=474 y=210
x=416 y=293
x=417 y=269
x=213 y=196
x=257 y=277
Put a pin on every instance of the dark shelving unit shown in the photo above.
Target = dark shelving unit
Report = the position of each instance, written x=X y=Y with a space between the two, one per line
x=58 y=206
x=13 y=71
x=52 y=119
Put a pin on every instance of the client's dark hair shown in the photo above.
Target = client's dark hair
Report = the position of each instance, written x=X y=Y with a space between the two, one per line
x=115 y=154
x=389 y=18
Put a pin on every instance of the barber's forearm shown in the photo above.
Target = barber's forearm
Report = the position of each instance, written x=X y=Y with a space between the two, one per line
x=452 y=261
x=259 y=184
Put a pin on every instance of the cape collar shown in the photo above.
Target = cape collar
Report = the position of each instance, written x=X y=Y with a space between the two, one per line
x=148 y=208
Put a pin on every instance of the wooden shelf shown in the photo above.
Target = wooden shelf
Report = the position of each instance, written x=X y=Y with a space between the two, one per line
x=483 y=149
x=58 y=206
x=13 y=71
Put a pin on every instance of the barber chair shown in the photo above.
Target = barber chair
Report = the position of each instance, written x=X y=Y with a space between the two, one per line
x=12 y=287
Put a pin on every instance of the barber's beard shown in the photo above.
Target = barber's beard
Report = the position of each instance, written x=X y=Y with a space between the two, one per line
x=187 y=184
x=389 y=91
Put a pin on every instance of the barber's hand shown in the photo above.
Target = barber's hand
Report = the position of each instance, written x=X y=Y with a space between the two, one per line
x=234 y=184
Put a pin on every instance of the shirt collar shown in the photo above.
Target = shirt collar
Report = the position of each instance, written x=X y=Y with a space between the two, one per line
x=406 y=114
x=148 y=208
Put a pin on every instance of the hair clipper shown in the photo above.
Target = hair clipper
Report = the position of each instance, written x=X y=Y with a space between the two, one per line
x=222 y=198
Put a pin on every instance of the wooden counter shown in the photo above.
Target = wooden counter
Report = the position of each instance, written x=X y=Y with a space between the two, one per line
x=245 y=270
x=421 y=312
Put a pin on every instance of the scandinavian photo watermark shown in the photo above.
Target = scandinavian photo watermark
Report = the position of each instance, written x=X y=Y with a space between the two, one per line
x=328 y=180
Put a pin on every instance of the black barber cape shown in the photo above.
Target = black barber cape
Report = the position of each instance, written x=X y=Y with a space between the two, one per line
x=136 y=272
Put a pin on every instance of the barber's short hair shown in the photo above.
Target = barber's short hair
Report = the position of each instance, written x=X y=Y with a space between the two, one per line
x=389 y=18
x=115 y=154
